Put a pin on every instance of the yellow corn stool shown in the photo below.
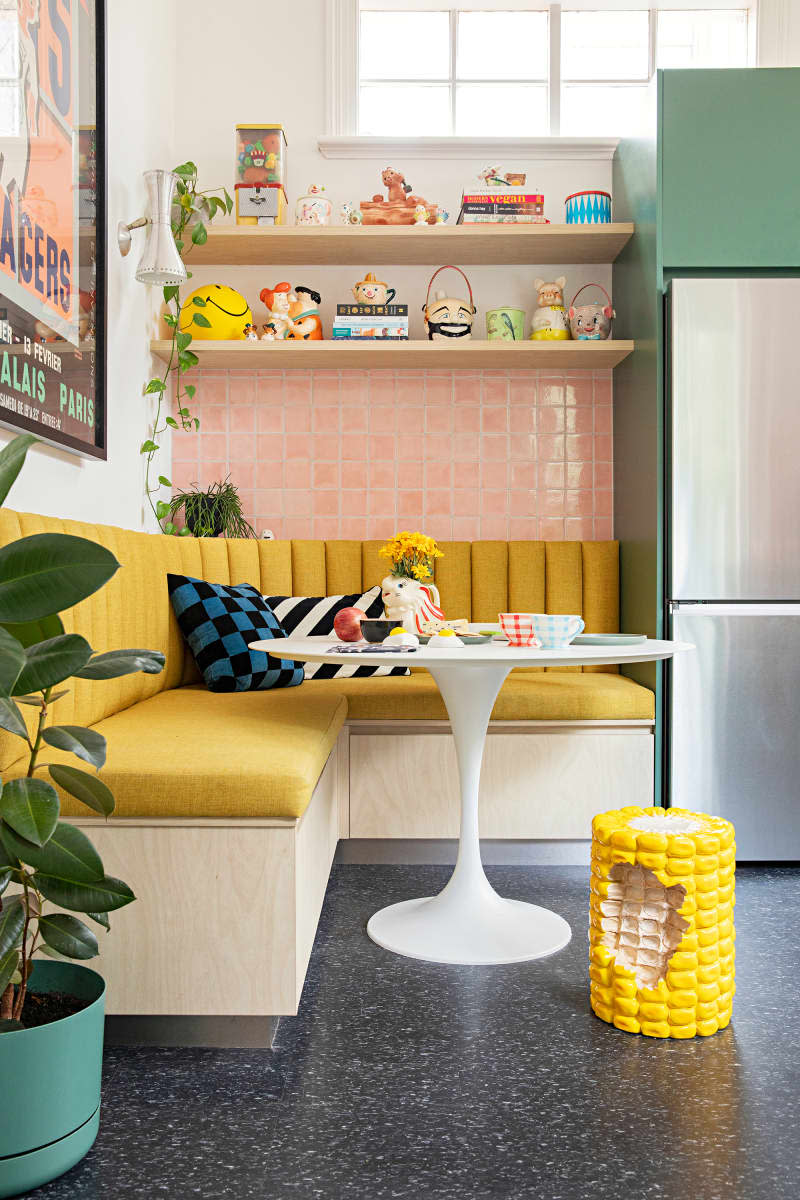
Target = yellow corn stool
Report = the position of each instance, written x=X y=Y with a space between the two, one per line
x=661 y=929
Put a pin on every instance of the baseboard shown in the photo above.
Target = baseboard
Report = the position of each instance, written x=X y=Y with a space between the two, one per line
x=443 y=851
x=225 y=1032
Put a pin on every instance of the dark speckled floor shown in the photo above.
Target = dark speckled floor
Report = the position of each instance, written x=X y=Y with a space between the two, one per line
x=404 y=1079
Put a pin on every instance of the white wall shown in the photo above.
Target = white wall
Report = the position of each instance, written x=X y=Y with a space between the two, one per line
x=141 y=47
x=778 y=33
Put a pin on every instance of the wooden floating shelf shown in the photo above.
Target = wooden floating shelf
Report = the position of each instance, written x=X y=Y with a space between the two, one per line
x=429 y=245
x=399 y=356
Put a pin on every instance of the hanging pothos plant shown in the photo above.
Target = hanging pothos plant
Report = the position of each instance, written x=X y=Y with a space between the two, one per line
x=192 y=211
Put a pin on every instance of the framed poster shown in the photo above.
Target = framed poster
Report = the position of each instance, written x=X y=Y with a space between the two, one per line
x=52 y=221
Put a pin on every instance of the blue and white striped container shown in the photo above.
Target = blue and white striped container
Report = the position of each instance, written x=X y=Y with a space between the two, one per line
x=588 y=208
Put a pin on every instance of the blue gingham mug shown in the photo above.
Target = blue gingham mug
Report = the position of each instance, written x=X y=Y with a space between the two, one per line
x=556 y=630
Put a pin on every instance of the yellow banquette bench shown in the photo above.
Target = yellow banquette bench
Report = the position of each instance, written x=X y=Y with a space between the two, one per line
x=233 y=795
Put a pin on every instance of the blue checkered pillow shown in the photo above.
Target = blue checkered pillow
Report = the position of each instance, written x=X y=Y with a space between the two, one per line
x=219 y=622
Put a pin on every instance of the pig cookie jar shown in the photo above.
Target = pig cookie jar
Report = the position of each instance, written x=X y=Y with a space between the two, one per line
x=591 y=322
x=549 y=322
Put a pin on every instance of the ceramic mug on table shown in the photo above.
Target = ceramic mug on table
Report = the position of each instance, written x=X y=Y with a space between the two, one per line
x=554 y=631
x=518 y=628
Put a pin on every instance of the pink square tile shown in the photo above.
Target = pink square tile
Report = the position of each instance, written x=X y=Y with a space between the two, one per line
x=523 y=420
x=579 y=475
x=354 y=447
x=466 y=447
x=467 y=419
x=324 y=420
x=579 y=447
x=411 y=419
x=210 y=472
x=354 y=418
x=243 y=418
x=438 y=475
x=466 y=529
x=602 y=389
x=353 y=527
x=467 y=501
x=269 y=447
x=438 y=503
x=243 y=475
x=382 y=418
x=325 y=504
x=522 y=504
x=269 y=388
x=186 y=447
x=523 y=446
x=603 y=475
x=438 y=390
x=523 y=475
x=494 y=418
x=324 y=446
x=409 y=447
x=494 y=391
x=552 y=475
x=579 y=504
x=213 y=446
x=325 y=391
x=494 y=446
x=579 y=529
x=493 y=503
x=296 y=472
x=241 y=447
x=440 y=527
x=211 y=391
x=410 y=392
x=270 y=420
x=436 y=446
x=269 y=501
x=551 y=420
x=380 y=528
x=409 y=502
x=603 y=418
x=325 y=528
x=381 y=390
x=297 y=502
x=183 y=475
x=580 y=389
x=494 y=474
x=580 y=420
x=354 y=475
x=212 y=419
x=409 y=474
x=381 y=503
x=603 y=503
x=603 y=529
x=550 y=391
x=438 y=420
x=551 y=529
x=298 y=418
x=296 y=527
x=325 y=475
x=381 y=474
x=602 y=448
x=297 y=390
x=550 y=504
x=494 y=529
x=467 y=389
x=380 y=446
x=523 y=529
x=405 y=520
x=551 y=447
x=522 y=393
x=354 y=503
x=271 y=474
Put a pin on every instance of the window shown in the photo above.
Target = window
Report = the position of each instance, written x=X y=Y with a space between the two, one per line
x=10 y=88
x=515 y=69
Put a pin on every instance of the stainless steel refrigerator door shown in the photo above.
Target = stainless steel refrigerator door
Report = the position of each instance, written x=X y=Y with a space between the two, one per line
x=735 y=727
x=735 y=510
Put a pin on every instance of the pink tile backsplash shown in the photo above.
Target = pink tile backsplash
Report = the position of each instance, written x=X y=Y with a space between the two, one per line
x=357 y=454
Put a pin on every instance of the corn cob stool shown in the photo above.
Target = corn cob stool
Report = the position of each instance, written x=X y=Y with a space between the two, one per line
x=661 y=921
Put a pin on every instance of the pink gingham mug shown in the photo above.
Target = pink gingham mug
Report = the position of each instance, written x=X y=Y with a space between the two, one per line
x=518 y=628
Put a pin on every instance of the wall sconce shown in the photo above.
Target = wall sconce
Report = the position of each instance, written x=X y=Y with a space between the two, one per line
x=160 y=262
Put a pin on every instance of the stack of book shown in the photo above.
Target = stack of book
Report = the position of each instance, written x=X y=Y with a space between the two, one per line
x=502 y=206
x=373 y=321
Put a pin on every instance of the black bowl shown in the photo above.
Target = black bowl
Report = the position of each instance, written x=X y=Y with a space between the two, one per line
x=375 y=629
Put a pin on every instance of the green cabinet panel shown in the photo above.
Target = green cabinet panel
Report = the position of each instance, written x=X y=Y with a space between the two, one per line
x=730 y=168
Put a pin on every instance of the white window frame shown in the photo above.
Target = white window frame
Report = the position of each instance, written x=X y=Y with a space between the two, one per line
x=342 y=77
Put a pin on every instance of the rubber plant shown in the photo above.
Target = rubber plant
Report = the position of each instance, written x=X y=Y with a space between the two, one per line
x=191 y=214
x=44 y=858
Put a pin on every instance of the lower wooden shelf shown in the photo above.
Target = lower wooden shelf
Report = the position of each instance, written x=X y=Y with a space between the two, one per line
x=398 y=356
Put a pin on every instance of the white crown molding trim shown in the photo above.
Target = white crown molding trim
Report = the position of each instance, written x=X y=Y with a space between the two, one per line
x=494 y=149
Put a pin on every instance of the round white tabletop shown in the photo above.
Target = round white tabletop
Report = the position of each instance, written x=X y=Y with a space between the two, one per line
x=468 y=922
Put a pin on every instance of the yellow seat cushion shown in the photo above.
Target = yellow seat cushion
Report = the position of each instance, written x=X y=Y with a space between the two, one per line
x=189 y=752
x=525 y=696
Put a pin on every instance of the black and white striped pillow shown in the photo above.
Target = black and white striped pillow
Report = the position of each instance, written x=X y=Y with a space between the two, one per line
x=312 y=616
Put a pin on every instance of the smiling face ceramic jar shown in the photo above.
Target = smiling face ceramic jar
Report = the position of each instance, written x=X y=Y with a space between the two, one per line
x=448 y=316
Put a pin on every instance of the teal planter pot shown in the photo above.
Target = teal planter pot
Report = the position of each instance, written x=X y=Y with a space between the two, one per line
x=51 y=1081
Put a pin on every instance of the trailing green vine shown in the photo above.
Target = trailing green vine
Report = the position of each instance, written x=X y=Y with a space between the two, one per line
x=192 y=213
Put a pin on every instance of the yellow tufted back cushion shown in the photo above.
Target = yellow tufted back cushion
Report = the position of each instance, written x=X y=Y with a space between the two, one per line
x=476 y=580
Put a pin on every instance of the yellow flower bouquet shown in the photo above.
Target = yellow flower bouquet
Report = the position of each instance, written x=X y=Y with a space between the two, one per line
x=411 y=555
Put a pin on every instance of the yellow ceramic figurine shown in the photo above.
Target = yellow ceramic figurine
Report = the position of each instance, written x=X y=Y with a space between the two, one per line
x=549 y=322
x=225 y=309
x=661 y=921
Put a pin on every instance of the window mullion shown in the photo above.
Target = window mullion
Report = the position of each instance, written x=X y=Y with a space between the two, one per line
x=453 y=52
x=651 y=46
x=554 y=74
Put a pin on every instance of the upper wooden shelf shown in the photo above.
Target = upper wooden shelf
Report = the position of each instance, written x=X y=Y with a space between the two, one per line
x=393 y=355
x=428 y=245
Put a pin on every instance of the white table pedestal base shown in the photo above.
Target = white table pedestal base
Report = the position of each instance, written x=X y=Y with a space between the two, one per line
x=468 y=922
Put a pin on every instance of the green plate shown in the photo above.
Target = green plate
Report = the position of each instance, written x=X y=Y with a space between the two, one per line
x=609 y=639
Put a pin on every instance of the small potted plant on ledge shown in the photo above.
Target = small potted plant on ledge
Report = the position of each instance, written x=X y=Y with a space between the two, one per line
x=51 y=1012
x=211 y=512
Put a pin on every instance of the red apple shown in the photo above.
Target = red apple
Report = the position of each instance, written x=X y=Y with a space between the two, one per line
x=347 y=624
